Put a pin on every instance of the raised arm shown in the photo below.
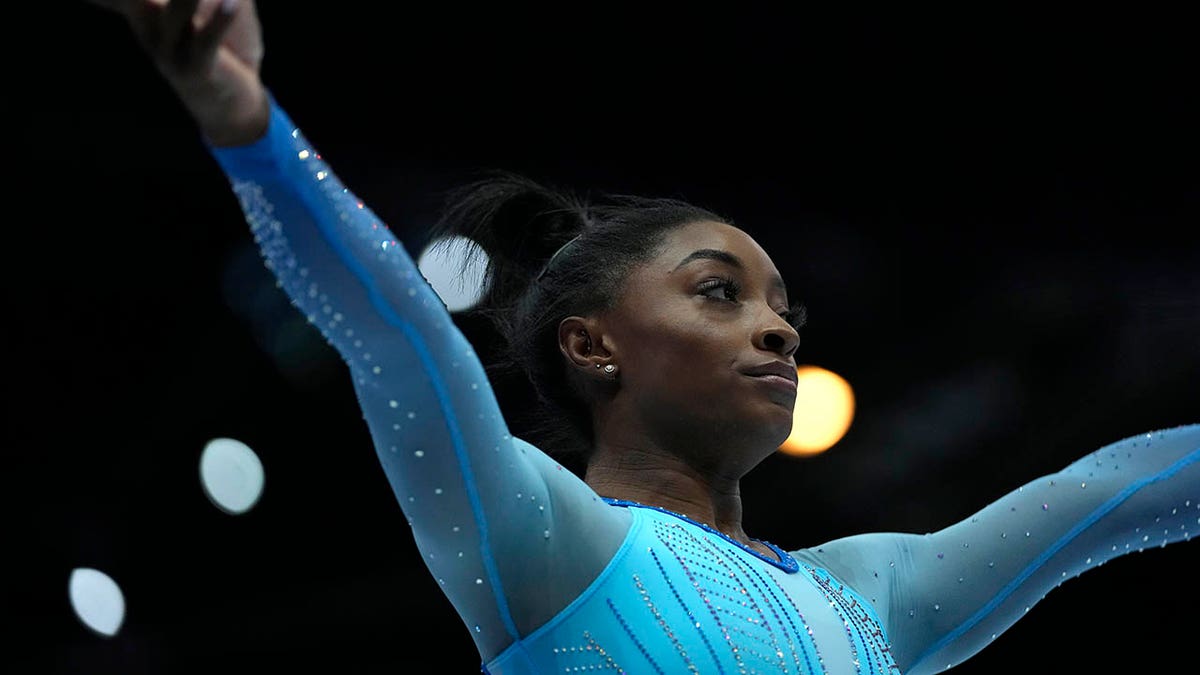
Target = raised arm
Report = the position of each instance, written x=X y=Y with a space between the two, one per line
x=946 y=595
x=491 y=514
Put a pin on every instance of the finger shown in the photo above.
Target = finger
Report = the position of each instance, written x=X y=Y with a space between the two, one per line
x=177 y=30
x=209 y=37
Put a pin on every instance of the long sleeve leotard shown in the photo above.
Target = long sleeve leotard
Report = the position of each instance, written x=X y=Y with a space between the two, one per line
x=548 y=576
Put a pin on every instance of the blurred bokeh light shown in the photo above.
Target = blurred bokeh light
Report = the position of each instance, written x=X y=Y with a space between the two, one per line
x=824 y=410
x=454 y=267
x=97 y=600
x=231 y=475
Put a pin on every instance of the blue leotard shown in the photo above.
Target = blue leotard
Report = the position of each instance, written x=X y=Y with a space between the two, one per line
x=549 y=577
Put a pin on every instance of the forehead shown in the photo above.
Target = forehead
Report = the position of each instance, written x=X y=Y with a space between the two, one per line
x=686 y=240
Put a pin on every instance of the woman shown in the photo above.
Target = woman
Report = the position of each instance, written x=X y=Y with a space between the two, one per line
x=662 y=340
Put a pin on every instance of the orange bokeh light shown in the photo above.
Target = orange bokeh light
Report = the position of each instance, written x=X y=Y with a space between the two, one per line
x=823 y=413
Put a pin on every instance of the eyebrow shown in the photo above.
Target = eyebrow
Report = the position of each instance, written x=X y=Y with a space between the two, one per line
x=727 y=258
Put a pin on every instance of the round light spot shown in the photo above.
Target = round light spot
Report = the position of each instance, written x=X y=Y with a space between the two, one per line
x=454 y=267
x=823 y=412
x=231 y=475
x=97 y=600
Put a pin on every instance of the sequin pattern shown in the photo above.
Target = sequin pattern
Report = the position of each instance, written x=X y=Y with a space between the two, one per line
x=697 y=603
x=862 y=629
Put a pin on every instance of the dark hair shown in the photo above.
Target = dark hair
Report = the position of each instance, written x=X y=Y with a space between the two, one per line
x=520 y=224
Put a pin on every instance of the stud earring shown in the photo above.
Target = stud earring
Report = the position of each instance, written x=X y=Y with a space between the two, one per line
x=610 y=369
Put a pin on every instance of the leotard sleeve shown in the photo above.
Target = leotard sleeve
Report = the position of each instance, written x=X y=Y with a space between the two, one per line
x=946 y=595
x=491 y=514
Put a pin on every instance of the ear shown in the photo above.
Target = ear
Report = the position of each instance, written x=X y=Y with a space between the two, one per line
x=584 y=343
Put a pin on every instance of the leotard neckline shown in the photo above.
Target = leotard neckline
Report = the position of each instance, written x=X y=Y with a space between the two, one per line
x=785 y=561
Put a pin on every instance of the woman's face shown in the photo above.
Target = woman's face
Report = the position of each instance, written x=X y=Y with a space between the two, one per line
x=687 y=327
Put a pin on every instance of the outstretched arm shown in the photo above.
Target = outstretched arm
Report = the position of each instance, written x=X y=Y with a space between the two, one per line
x=490 y=513
x=946 y=595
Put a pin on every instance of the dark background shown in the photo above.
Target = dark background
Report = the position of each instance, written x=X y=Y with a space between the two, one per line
x=991 y=217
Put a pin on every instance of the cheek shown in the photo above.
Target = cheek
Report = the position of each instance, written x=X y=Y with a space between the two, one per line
x=693 y=352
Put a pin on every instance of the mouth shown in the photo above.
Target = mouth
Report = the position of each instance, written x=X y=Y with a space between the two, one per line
x=778 y=382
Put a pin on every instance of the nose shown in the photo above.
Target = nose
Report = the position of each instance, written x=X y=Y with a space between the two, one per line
x=778 y=336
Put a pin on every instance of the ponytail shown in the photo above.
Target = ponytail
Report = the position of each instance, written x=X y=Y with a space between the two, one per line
x=551 y=254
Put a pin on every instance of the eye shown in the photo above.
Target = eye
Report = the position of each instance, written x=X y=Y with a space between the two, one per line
x=730 y=287
x=796 y=315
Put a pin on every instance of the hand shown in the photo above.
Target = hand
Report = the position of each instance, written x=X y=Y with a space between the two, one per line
x=210 y=52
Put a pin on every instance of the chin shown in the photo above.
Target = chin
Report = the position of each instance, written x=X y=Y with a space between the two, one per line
x=782 y=416
x=771 y=432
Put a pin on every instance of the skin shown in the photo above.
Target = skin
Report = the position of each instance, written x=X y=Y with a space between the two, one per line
x=682 y=424
x=211 y=55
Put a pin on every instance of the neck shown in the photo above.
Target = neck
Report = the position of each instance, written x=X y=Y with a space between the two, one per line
x=660 y=479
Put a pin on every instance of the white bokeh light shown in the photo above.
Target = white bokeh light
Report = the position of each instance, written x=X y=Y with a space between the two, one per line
x=231 y=475
x=97 y=600
x=441 y=263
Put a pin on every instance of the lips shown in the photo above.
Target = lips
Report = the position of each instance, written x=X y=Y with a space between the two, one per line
x=778 y=368
x=776 y=374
